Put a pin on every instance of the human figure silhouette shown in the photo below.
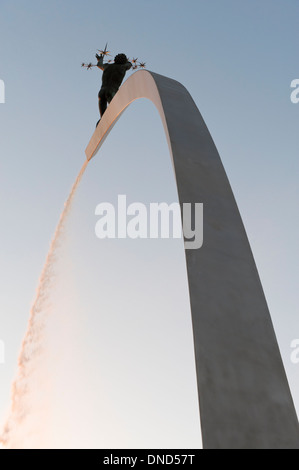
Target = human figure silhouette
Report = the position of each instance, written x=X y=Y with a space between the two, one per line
x=113 y=75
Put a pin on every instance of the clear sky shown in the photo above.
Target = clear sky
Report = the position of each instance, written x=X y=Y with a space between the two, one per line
x=237 y=59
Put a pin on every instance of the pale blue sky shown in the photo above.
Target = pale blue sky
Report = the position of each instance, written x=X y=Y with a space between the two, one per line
x=236 y=58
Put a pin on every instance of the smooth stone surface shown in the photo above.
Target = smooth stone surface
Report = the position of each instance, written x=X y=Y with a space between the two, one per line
x=244 y=396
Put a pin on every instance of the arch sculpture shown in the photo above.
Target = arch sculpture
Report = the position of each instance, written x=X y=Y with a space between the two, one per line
x=244 y=396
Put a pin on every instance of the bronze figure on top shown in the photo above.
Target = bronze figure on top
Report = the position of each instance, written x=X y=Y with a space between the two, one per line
x=113 y=75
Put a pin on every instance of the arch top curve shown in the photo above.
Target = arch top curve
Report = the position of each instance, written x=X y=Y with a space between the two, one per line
x=142 y=84
x=244 y=396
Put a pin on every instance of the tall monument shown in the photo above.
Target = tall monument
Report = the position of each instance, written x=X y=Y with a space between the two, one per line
x=245 y=400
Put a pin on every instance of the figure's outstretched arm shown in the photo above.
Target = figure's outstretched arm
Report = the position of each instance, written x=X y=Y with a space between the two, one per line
x=100 y=63
x=128 y=65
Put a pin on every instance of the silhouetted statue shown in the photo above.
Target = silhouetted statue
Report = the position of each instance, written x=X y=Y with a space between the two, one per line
x=113 y=75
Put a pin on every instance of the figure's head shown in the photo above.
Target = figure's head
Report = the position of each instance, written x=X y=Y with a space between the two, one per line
x=121 y=59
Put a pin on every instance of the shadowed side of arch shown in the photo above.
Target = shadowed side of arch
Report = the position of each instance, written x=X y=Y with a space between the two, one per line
x=244 y=396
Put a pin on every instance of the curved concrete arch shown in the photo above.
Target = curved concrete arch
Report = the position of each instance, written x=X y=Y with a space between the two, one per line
x=244 y=397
